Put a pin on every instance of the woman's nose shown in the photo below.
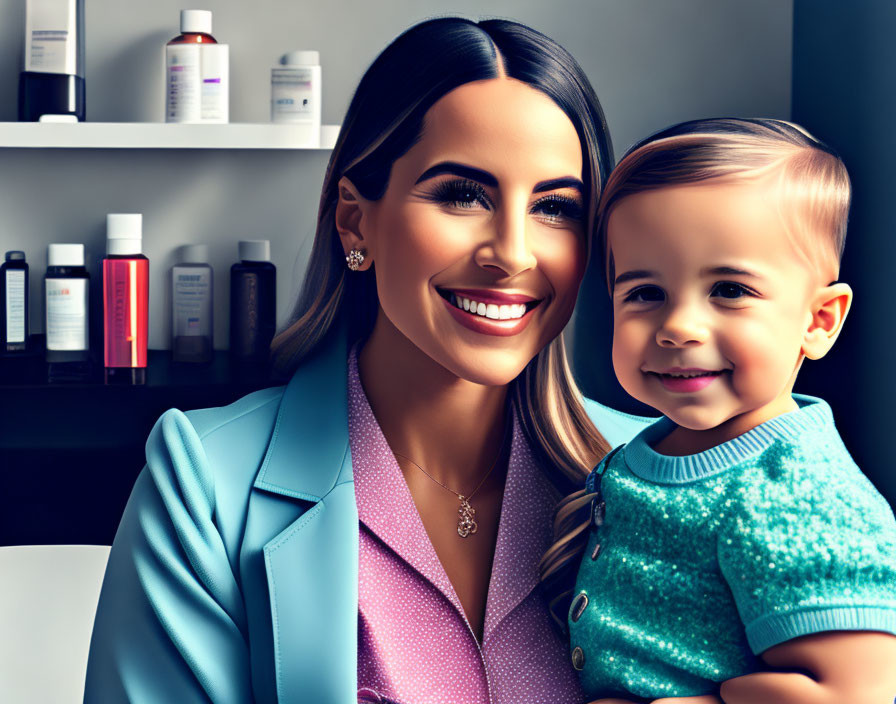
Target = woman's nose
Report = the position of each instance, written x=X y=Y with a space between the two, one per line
x=509 y=245
x=682 y=326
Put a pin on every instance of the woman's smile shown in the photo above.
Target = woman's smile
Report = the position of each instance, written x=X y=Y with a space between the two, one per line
x=490 y=312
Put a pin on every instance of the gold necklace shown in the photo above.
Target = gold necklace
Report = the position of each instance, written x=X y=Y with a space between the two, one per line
x=466 y=522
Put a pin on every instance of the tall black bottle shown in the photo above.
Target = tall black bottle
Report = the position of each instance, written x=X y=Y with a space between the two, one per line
x=253 y=304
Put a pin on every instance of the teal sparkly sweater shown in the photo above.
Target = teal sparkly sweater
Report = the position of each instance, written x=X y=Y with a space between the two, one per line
x=697 y=564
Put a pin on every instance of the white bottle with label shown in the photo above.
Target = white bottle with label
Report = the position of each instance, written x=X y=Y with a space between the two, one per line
x=197 y=72
x=192 y=299
x=295 y=91
x=67 y=298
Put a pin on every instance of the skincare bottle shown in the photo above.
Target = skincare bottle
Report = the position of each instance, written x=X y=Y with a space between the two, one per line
x=14 y=303
x=197 y=72
x=192 y=297
x=295 y=90
x=253 y=303
x=66 y=290
x=53 y=80
x=125 y=300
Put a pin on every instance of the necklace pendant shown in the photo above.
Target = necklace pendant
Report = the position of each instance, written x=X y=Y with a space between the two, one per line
x=466 y=523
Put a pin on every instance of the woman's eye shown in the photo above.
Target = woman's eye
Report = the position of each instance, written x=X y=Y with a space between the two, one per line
x=461 y=193
x=730 y=290
x=556 y=207
x=645 y=294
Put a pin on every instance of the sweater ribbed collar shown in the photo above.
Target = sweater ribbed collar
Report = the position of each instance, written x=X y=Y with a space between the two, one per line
x=813 y=414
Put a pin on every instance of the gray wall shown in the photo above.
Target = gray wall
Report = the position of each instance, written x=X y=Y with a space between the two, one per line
x=653 y=62
x=843 y=62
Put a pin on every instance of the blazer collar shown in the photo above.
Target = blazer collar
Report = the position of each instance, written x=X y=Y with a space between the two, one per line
x=311 y=430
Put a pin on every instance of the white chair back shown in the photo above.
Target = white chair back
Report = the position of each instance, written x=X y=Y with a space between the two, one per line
x=48 y=598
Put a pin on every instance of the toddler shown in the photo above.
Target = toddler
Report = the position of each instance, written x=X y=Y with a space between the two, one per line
x=735 y=535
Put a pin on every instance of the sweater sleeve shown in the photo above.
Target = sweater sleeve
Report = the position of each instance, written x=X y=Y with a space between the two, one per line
x=170 y=625
x=808 y=546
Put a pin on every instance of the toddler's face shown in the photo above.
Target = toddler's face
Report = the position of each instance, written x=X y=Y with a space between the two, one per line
x=711 y=298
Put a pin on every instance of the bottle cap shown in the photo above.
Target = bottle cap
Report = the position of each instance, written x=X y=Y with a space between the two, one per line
x=65 y=255
x=300 y=58
x=195 y=22
x=124 y=233
x=194 y=254
x=255 y=250
x=15 y=256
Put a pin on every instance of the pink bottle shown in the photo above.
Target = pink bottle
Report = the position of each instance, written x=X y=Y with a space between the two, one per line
x=125 y=299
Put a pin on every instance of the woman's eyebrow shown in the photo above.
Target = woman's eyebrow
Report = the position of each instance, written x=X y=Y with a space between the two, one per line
x=564 y=182
x=451 y=167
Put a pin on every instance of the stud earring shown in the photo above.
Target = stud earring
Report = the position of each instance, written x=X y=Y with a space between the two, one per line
x=355 y=258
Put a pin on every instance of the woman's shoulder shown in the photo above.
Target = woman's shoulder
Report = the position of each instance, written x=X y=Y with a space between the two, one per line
x=222 y=446
x=255 y=410
x=617 y=427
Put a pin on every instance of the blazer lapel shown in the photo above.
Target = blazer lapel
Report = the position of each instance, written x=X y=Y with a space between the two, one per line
x=312 y=564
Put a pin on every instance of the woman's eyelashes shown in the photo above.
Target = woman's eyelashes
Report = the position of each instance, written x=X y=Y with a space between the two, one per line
x=556 y=208
x=460 y=193
x=466 y=194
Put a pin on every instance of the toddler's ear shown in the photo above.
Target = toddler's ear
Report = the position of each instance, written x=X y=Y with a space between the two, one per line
x=829 y=309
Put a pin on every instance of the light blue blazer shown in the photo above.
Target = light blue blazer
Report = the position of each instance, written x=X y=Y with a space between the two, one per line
x=234 y=573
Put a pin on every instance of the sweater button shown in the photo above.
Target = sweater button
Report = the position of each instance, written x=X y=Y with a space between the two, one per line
x=595 y=552
x=578 y=607
x=578 y=658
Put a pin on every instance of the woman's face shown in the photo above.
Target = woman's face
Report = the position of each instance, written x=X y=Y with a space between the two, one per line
x=478 y=243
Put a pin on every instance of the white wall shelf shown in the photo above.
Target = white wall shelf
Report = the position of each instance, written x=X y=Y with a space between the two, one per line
x=159 y=135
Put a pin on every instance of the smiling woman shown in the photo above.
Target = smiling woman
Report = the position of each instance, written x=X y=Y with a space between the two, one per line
x=372 y=531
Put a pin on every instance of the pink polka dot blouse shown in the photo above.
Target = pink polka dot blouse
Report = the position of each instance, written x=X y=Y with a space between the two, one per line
x=415 y=645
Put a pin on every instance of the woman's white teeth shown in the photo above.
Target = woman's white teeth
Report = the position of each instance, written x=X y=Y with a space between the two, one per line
x=490 y=310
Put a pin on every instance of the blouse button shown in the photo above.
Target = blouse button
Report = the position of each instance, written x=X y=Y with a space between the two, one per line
x=578 y=607
x=578 y=658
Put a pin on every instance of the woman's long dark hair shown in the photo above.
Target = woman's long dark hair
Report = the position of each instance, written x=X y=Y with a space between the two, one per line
x=384 y=120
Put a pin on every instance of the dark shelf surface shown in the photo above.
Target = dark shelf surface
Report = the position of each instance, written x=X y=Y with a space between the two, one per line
x=86 y=412
x=71 y=451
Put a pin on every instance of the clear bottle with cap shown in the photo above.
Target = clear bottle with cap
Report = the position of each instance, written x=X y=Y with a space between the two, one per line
x=253 y=304
x=125 y=300
x=192 y=302
x=296 y=89
x=183 y=66
x=67 y=296
x=14 y=308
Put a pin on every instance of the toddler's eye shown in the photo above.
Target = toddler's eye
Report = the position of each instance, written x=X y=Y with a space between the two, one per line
x=645 y=294
x=729 y=289
x=460 y=193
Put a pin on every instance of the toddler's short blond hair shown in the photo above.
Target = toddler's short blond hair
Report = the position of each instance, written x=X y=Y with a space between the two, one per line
x=808 y=177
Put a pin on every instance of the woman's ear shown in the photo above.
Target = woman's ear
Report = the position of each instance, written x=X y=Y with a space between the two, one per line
x=829 y=309
x=352 y=218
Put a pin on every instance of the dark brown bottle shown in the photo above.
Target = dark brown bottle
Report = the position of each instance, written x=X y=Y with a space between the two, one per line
x=253 y=304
